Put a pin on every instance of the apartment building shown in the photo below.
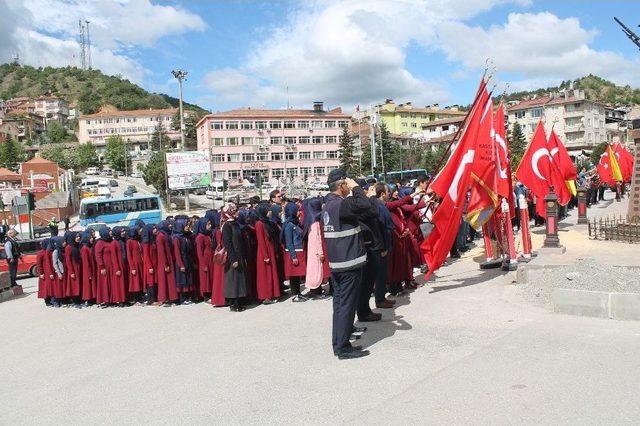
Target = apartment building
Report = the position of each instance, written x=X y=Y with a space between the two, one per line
x=21 y=126
x=578 y=122
x=247 y=143
x=136 y=127
x=52 y=108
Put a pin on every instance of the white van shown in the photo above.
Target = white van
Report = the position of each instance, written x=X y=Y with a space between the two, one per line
x=89 y=184
x=215 y=190
x=92 y=171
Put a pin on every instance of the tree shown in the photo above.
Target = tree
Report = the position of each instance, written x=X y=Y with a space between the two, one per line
x=433 y=157
x=114 y=153
x=154 y=172
x=190 y=120
x=598 y=151
x=517 y=145
x=159 y=139
x=11 y=154
x=87 y=156
x=55 y=132
x=57 y=154
x=348 y=161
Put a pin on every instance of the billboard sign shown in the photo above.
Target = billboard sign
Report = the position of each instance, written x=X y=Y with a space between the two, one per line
x=188 y=170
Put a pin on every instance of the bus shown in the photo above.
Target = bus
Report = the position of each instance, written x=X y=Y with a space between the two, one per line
x=120 y=211
x=405 y=174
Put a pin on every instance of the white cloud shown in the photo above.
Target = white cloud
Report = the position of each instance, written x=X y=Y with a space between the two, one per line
x=44 y=32
x=542 y=48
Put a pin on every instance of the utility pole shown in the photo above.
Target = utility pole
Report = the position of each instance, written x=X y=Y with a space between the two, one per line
x=83 y=61
x=182 y=75
x=372 y=122
x=627 y=31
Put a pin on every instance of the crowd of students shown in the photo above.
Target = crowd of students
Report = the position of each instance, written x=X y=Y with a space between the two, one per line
x=260 y=252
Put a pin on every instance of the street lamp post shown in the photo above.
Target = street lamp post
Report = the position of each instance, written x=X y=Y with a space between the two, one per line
x=182 y=75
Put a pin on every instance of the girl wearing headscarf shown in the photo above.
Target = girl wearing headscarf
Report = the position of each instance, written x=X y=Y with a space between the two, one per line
x=217 y=285
x=235 y=283
x=399 y=258
x=119 y=277
x=73 y=265
x=204 y=253
x=150 y=262
x=317 y=270
x=135 y=264
x=57 y=259
x=295 y=259
x=43 y=273
x=246 y=221
x=276 y=218
x=104 y=267
x=267 y=278
x=88 y=268
x=167 y=291
x=182 y=261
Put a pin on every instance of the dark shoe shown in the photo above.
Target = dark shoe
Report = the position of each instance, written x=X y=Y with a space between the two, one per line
x=371 y=317
x=299 y=298
x=241 y=308
x=268 y=301
x=385 y=304
x=359 y=329
x=349 y=348
x=352 y=354
x=455 y=256
x=233 y=308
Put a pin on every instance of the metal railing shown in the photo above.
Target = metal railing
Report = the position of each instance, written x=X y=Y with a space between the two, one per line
x=615 y=229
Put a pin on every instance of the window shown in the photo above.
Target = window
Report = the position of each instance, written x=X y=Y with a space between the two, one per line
x=317 y=139
x=318 y=155
x=343 y=124
x=414 y=124
x=217 y=158
x=246 y=125
x=248 y=157
x=289 y=140
x=215 y=125
x=533 y=126
x=262 y=156
x=423 y=116
x=303 y=124
x=519 y=114
x=305 y=155
x=277 y=173
x=536 y=113
x=303 y=139
x=261 y=124
x=316 y=124
x=445 y=128
x=232 y=124
x=247 y=141
x=289 y=155
x=275 y=124
x=234 y=174
x=305 y=171
x=318 y=171
x=330 y=124
x=404 y=124
x=404 y=115
x=276 y=156
x=233 y=157
x=289 y=124
x=232 y=141
x=293 y=172
x=276 y=140
x=331 y=139
x=332 y=154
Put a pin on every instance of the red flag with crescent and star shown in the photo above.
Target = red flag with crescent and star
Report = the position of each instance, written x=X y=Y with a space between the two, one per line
x=452 y=184
x=563 y=162
x=625 y=160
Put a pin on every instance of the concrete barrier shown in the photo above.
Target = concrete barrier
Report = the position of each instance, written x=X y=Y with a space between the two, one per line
x=581 y=302
x=625 y=306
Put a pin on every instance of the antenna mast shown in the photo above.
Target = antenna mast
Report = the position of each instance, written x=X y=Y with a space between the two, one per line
x=627 y=31
x=88 y=47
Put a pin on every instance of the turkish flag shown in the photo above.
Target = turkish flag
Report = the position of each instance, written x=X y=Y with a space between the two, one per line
x=625 y=160
x=538 y=173
x=504 y=184
x=452 y=184
x=604 y=169
x=483 y=199
x=562 y=161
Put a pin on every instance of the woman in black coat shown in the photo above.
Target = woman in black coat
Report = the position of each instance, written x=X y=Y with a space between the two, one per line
x=235 y=283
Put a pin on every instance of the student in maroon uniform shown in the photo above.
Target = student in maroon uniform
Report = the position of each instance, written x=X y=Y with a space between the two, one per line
x=295 y=258
x=217 y=285
x=167 y=291
x=88 y=278
x=104 y=267
x=204 y=252
x=150 y=262
x=135 y=264
x=73 y=265
x=119 y=270
x=268 y=238
x=43 y=277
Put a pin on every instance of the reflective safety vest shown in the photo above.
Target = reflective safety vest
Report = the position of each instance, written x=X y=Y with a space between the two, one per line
x=345 y=248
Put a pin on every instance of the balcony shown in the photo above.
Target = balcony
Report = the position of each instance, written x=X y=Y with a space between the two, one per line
x=574 y=128
x=574 y=113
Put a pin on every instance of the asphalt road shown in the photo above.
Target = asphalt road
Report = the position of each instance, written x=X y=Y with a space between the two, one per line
x=464 y=350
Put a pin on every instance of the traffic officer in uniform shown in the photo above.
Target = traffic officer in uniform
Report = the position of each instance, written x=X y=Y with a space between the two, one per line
x=346 y=254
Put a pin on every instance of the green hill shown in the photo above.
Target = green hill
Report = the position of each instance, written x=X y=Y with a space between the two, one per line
x=90 y=89
x=596 y=88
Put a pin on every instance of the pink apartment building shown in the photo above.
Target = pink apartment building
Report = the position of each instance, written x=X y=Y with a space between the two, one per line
x=245 y=143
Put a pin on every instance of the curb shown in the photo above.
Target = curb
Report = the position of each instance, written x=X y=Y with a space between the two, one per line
x=599 y=304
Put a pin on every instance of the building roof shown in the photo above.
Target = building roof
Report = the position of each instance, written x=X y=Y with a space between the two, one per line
x=538 y=101
x=555 y=99
x=250 y=113
x=39 y=160
x=444 y=121
x=109 y=112
x=6 y=174
x=440 y=139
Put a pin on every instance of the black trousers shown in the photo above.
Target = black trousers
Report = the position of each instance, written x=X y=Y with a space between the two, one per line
x=346 y=286
x=366 y=287
x=13 y=272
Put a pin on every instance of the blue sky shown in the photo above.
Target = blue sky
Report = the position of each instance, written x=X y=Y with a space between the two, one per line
x=345 y=53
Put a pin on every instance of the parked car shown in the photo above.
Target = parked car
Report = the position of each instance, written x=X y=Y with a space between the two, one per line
x=26 y=265
x=113 y=182
x=132 y=188
x=128 y=193
x=40 y=231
